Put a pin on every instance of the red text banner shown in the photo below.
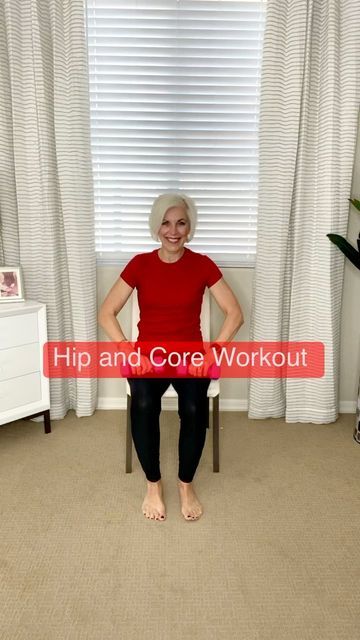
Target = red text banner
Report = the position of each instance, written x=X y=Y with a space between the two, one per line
x=302 y=359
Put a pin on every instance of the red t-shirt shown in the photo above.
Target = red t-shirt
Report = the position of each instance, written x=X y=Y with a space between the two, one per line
x=170 y=293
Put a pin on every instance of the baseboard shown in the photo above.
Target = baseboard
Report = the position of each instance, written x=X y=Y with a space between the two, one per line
x=226 y=404
x=170 y=404
x=347 y=406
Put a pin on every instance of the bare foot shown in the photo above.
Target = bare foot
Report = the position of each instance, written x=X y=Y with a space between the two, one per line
x=190 y=505
x=153 y=506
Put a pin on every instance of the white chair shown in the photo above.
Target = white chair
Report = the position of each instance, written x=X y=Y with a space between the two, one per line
x=213 y=390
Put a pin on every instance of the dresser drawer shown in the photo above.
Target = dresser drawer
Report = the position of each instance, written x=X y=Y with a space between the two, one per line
x=19 y=361
x=20 y=391
x=18 y=329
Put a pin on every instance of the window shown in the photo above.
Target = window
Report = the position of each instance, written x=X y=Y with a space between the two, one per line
x=174 y=88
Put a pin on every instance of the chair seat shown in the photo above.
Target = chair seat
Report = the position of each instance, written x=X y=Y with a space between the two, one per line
x=213 y=390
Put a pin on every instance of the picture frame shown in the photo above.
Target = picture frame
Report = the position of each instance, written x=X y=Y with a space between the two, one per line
x=11 y=285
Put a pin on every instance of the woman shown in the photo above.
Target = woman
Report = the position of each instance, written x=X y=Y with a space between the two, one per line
x=170 y=283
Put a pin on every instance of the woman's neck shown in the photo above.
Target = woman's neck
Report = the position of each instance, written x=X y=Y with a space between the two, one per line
x=170 y=257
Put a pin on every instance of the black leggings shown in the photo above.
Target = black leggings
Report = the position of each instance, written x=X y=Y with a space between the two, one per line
x=145 y=412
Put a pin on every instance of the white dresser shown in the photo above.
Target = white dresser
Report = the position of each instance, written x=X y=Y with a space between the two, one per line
x=24 y=390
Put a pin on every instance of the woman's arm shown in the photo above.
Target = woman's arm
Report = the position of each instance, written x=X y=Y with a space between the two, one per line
x=228 y=303
x=113 y=303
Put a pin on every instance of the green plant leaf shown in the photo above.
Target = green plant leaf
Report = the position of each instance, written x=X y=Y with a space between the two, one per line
x=347 y=249
x=355 y=203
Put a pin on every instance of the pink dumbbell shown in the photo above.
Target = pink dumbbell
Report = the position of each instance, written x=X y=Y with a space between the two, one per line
x=181 y=370
x=125 y=370
x=158 y=368
x=214 y=371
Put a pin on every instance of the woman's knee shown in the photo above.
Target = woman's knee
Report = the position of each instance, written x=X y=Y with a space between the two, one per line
x=143 y=402
x=189 y=410
x=145 y=397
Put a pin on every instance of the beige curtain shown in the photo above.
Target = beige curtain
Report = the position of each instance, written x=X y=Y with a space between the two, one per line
x=308 y=125
x=46 y=190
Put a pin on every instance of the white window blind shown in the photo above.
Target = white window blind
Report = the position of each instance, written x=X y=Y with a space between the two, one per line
x=174 y=88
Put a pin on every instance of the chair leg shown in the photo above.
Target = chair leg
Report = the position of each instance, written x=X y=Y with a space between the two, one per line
x=128 y=461
x=47 y=423
x=216 y=464
x=208 y=413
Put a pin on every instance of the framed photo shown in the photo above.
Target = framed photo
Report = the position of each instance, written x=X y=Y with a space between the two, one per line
x=11 y=285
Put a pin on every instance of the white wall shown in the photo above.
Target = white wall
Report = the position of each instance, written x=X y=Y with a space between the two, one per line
x=234 y=392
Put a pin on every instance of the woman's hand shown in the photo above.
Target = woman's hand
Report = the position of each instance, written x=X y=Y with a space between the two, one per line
x=144 y=367
x=202 y=370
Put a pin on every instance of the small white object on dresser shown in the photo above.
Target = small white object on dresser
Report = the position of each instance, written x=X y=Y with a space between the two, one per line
x=24 y=390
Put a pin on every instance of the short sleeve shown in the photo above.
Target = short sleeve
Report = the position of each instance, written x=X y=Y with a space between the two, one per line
x=212 y=271
x=131 y=272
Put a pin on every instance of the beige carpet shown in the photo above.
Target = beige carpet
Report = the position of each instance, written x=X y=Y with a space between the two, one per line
x=274 y=557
